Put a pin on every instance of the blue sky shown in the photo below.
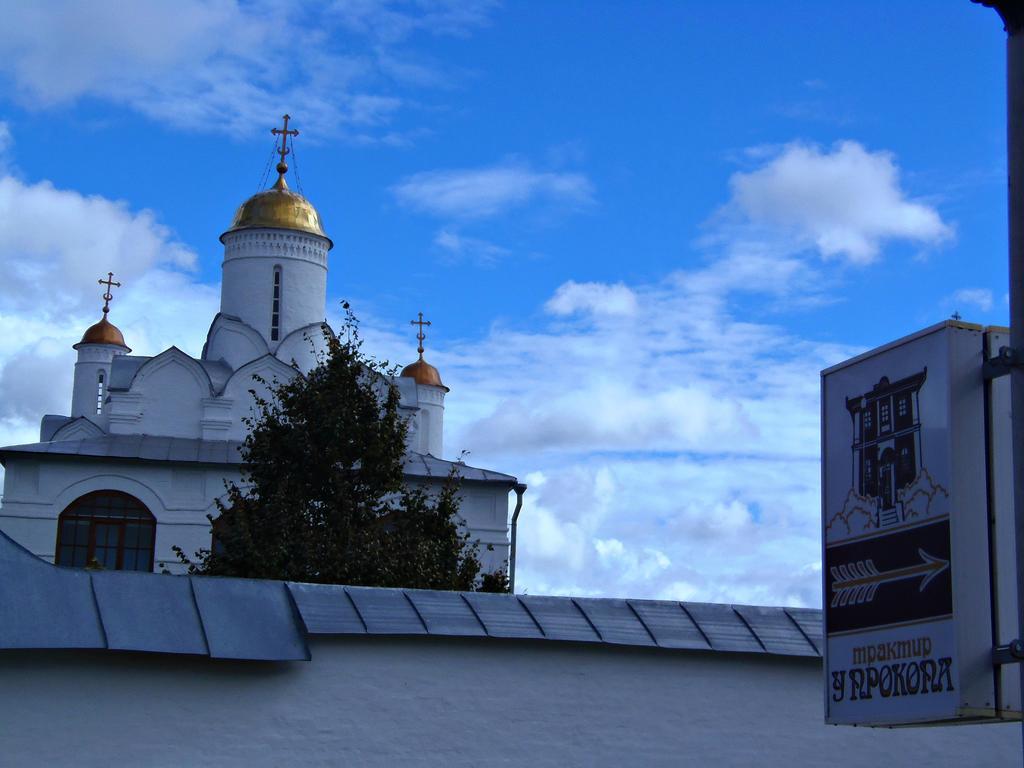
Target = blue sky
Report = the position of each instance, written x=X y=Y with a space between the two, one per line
x=640 y=230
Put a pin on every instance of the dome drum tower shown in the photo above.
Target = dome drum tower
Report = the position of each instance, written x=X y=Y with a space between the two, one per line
x=275 y=259
x=100 y=344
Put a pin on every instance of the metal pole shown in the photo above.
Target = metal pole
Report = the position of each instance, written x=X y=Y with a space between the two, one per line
x=1015 y=171
x=1013 y=20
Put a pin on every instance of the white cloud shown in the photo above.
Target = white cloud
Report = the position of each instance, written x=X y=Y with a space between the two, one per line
x=390 y=22
x=845 y=202
x=56 y=243
x=628 y=563
x=674 y=434
x=981 y=298
x=460 y=247
x=592 y=298
x=6 y=142
x=216 y=65
x=476 y=193
x=676 y=446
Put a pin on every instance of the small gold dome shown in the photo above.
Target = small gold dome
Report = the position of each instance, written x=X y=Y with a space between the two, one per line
x=424 y=373
x=103 y=332
x=278 y=208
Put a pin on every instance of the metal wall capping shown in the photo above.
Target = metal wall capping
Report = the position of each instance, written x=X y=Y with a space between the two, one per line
x=46 y=606
x=249 y=619
x=560 y=618
x=446 y=613
x=811 y=624
x=724 y=628
x=149 y=612
x=42 y=606
x=326 y=609
x=504 y=615
x=386 y=611
x=670 y=624
x=774 y=628
x=615 y=621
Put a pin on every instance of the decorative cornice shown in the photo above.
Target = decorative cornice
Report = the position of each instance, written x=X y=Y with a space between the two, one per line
x=1010 y=11
x=275 y=244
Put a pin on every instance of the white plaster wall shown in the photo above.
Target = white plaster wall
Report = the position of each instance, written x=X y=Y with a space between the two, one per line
x=484 y=511
x=179 y=496
x=434 y=702
x=234 y=342
x=431 y=417
x=238 y=398
x=166 y=398
x=304 y=347
x=248 y=278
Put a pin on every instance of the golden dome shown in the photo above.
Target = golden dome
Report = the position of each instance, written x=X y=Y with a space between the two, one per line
x=103 y=332
x=278 y=208
x=424 y=373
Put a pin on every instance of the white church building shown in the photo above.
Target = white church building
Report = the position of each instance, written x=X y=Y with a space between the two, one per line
x=137 y=465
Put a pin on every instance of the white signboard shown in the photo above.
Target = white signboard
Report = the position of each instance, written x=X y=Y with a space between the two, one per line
x=906 y=579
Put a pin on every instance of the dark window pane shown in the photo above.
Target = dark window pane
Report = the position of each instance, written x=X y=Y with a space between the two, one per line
x=107 y=557
x=65 y=556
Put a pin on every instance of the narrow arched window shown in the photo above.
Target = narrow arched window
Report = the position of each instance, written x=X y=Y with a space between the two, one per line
x=275 y=307
x=112 y=528
x=99 y=392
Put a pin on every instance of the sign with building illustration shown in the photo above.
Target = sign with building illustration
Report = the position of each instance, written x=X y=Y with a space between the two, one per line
x=906 y=580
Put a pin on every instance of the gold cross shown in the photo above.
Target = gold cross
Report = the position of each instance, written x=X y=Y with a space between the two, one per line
x=284 y=133
x=420 y=336
x=107 y=295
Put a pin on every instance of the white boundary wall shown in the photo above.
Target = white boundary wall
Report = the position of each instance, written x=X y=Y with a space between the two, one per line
x=425 y=701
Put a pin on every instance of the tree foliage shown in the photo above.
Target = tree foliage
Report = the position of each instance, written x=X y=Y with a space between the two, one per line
x=324 y=498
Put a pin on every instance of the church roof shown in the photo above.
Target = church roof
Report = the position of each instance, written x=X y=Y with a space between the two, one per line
x=47 y=606
x=142 y=447
x=424 y=373
x=103 y=332
x=188 y=449
x=278 y=208
x=425 y=465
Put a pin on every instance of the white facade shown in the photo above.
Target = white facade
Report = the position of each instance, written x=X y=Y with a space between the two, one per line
x=180 y=495
x=378 y=701
x=271 y=321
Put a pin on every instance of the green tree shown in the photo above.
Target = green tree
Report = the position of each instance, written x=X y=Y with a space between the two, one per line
x=325 y=498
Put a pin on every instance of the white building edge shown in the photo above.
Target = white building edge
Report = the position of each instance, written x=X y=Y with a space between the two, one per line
x=136 y=467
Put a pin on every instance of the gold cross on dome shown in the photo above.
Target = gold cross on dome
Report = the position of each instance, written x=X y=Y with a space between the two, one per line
x=107 y=295
x=284 y=133
x=420 y=336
